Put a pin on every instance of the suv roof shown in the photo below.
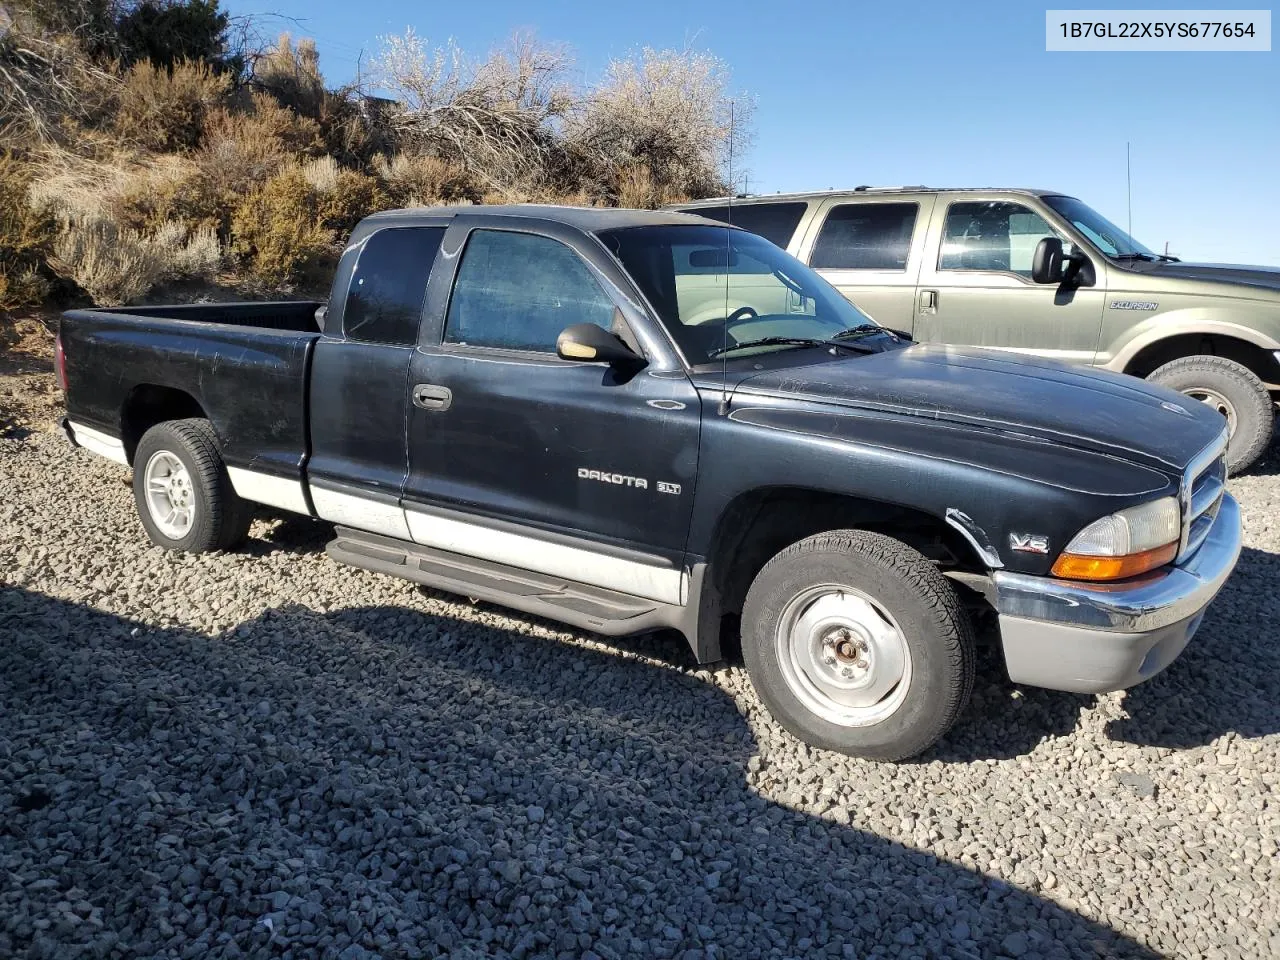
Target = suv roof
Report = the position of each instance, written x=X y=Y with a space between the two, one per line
x=858 y=191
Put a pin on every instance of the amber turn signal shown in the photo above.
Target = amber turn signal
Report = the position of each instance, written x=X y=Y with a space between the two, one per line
x=1074 y=566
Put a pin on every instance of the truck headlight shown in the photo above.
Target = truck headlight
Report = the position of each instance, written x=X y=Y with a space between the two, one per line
x=1124 y=544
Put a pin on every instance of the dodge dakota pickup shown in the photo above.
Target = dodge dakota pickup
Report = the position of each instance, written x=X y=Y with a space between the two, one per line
x=553 y=409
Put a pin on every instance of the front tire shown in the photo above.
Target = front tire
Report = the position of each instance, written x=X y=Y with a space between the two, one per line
x=1235 y=392
x=856 y=643
x=182 y=491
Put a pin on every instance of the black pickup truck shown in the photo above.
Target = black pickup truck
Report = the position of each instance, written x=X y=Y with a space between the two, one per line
x=553 y=409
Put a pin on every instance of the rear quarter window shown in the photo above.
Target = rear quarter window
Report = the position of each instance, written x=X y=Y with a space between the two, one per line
x=388 y=285
x=776 y=222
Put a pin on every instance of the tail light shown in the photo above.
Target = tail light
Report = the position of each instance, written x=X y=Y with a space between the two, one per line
x=60 y=363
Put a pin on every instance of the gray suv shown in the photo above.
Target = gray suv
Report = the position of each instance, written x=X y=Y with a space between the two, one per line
x=1038 y=272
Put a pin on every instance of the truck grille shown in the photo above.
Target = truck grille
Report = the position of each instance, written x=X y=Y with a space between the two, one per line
x=1203 y=485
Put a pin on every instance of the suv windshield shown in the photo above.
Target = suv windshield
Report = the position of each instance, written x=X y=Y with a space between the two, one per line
x=1106 y=236
x=716 y=287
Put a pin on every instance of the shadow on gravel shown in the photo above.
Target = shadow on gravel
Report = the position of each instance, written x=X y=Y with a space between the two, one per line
x=386 y=781
x=1228 y=678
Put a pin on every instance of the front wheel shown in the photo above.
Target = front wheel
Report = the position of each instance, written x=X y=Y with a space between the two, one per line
x=856 y=643
x=180 y=485
x=1234 y=391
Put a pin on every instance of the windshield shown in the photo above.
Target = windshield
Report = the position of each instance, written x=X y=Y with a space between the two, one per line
x=716 y=287
x=1106 y=236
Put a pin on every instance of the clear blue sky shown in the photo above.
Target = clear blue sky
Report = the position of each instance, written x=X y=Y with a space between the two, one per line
x=944 y=93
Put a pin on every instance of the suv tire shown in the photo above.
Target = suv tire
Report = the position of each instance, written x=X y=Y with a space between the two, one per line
x=1234 y=391
x=183 y=494
x=856 y=643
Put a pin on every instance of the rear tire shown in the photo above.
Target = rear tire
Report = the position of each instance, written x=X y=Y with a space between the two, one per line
x=182 y=491
x=856 y=643
x=1235 y=392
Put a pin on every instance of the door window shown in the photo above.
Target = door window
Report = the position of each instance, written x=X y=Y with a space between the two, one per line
x=865 y=236
x=518 y=291
x=776 y=222
x=992 y=236
x=384 y=300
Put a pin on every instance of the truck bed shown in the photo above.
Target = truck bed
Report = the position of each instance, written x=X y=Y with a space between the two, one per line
x=244 y=366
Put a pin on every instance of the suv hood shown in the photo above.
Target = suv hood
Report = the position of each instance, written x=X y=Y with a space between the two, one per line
x=1020 y=396
x=1263 y=278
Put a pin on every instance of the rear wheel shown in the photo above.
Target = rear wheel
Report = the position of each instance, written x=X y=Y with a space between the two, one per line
x=183 y=494
x=856 y=643
x=1234 y=391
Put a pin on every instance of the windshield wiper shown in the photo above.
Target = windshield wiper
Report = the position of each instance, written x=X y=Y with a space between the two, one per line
x=789 y=341
x=861 y=330
x=1146 y=257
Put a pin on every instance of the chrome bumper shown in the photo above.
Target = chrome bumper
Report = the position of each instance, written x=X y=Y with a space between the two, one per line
x=1091 y=638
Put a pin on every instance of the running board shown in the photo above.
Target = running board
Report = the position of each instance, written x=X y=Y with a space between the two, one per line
x=592 y=608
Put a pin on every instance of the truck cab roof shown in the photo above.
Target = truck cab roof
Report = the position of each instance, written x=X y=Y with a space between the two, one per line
x=589 y=219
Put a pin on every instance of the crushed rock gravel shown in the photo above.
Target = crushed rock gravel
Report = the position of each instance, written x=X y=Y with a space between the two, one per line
x=265 y=754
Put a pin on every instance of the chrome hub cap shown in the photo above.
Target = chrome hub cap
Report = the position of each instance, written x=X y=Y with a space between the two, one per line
x=1215 y=401
x=171 y=500
x=843 y=656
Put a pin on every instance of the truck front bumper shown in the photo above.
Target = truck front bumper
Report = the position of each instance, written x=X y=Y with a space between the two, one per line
x=1093 y=637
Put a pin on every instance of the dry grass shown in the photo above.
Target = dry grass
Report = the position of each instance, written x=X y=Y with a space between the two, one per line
x=424 y=180
x=26 y=237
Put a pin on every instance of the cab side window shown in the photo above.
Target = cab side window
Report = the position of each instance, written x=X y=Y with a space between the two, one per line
x=865 y=236
x=518 y=291
x=993 y=236
x=384 y=300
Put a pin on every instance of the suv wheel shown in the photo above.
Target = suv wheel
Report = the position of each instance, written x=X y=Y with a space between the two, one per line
x=856 y=643
x=184 y=496
x=1235 y=392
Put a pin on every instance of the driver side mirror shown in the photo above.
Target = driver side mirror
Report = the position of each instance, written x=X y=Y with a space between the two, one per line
x=1046 y=262
x=1050 y=265
x=586 y=341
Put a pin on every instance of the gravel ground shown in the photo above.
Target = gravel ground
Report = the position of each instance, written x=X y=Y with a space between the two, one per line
x=265 y=754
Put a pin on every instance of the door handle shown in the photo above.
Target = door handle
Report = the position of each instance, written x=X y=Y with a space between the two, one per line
x=928 y=301
x=428 y=396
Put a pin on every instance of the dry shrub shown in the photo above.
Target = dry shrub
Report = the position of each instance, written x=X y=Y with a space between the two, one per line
x=497 y=118
x=111 y=265
x=164 y=109
x=279 y=232
x=423 y=181
x=119 y=266
x=26 y=237
x=665 y=110
x=292 y=75
x=637 y=189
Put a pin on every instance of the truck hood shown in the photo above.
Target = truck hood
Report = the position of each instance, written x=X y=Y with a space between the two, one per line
x=1022 y=397
x=1261 y=278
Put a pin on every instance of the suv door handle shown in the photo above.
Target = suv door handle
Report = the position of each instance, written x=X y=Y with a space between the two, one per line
x=428 y=396
x=928 y=301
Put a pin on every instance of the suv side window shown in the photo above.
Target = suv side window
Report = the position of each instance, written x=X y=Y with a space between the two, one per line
x=776 y=222
x=518 y=291
x=994 y=235
x=384 y=300
x=865 y=236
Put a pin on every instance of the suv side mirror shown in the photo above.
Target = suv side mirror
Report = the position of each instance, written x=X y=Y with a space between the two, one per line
x=1046 y=262
x=586 y=341
x=1049 y=265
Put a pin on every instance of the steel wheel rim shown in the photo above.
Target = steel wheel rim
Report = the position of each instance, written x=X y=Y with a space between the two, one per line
x=843 y=656
x=171 y=500
x=1215 y=401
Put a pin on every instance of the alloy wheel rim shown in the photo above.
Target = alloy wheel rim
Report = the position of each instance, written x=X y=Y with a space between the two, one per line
x=1215 y=401
x=843 y=655
x=171 y=499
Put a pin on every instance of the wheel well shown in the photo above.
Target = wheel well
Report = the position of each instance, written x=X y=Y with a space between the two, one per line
x=1157 y=354
x=757 y=525
x=149 y=404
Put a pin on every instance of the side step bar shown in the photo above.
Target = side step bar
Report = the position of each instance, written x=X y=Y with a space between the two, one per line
x=591 y=608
